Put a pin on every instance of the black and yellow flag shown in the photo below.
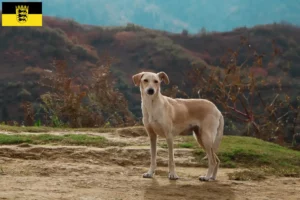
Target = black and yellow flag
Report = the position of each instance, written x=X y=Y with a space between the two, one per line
x=22 y=14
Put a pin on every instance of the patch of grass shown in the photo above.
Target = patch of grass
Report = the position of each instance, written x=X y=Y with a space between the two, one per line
x=247 y=175
x=248 y=152
x=186 y=145
x=1 y=171
x=68 y=139
x=43 y=129
x=163 y=145
x=17 y=129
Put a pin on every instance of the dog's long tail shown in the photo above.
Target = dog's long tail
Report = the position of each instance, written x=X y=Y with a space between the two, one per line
x=219 y=136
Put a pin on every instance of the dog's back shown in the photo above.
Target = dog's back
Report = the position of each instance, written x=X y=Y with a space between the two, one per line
x=192 y=109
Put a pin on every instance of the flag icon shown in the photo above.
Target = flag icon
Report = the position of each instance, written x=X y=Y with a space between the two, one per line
x=22 y=14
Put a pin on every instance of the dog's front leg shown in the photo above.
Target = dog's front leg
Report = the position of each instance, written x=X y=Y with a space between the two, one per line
x=172 y=173
x=153 y=140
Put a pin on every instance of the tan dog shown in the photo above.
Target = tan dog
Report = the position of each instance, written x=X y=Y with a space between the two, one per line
x=169 y=117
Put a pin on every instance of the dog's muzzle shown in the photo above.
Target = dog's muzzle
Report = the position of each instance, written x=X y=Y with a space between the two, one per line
x=150 y=91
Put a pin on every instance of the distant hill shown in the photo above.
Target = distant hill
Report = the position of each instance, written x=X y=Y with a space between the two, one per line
x=176 y=15
x=24 y=52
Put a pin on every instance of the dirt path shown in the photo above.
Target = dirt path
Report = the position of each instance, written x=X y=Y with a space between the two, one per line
x=114 y=173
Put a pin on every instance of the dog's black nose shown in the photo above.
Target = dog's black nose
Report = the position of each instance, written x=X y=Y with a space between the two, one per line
x=150 y=91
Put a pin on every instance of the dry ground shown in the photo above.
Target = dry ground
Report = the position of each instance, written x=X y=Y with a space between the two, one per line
x=114 y=173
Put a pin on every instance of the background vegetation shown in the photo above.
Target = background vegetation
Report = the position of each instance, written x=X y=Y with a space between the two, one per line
x=67 y=74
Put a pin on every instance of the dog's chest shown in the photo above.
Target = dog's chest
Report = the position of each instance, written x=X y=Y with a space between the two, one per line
x=153 y=113
x=156 y=115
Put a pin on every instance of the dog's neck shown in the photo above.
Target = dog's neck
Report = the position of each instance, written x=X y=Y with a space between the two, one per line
x=151 y=106
x=149 y=103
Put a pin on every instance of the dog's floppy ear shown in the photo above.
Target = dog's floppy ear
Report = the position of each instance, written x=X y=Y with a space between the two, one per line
x=163 y=77
x=137 y=78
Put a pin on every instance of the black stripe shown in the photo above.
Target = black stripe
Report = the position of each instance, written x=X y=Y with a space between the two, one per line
x=10 y=7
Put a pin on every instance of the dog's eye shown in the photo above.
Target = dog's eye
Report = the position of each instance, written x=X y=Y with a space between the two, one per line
x=146 y=80
x=156 y=81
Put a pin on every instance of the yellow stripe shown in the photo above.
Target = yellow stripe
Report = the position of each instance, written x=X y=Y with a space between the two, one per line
x=32 y=20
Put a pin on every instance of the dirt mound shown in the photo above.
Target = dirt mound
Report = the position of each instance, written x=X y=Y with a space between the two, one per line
x=132 y=132
x=123 y=156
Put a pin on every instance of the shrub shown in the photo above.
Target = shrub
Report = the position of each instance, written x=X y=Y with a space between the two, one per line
x=96 y=104
x=242 y=95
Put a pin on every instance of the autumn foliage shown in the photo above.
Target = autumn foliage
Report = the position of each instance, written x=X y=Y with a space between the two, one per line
x=83 y=102
x=246 y=95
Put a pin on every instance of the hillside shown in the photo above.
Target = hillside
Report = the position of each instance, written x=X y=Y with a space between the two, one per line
x=25 y=52
x=175 y=15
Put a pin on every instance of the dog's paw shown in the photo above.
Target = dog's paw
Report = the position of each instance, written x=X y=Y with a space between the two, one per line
x=203 y=178
x=148 y=175
x=173 y=176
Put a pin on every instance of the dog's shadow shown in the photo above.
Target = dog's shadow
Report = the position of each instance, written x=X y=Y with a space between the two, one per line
x=175 y=190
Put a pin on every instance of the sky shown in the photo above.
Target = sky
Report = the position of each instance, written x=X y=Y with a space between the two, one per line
x=176 y=15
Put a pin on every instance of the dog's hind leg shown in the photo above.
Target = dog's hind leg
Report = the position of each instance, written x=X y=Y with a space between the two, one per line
x=216 y=145
x=211 y=164
x=197 y=134
x=205 y=143
x=214 y=175
x=153 y=140
x=219 y=136
x=206 y=137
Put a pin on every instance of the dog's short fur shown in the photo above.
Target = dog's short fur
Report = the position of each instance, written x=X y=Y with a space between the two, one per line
x=168 y=117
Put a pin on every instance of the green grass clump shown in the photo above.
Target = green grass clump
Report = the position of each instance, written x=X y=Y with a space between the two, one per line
x=44 y=129
x=68 y=139
x=186 y=145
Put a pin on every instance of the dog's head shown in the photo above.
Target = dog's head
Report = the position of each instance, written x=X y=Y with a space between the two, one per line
x=149 y=82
